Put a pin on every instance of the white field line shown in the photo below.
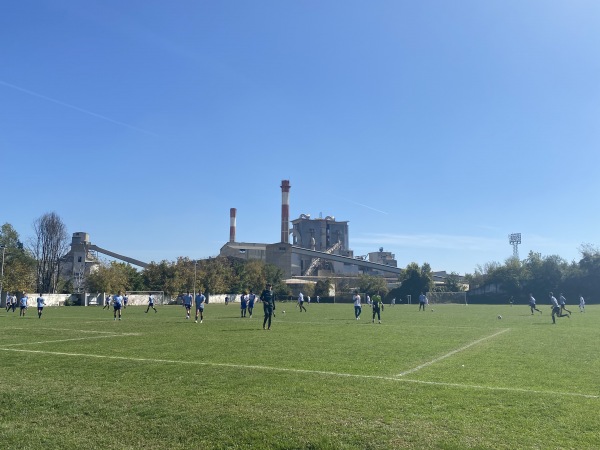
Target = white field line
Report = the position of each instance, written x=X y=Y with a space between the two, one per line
x=304 y=371
x=447 y=355
x=68 y=329
x=66 y=340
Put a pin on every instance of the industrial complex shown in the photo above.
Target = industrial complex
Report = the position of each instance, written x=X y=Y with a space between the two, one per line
x=319 y=248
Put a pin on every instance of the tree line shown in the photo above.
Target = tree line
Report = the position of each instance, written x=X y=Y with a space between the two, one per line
x=36 y=267
x=539 y=275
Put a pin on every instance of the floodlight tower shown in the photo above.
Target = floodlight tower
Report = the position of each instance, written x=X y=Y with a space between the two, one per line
x=514 y=239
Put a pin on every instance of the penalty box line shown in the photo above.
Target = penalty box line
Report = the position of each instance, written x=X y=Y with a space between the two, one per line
x=305 y=371
x=453 y=352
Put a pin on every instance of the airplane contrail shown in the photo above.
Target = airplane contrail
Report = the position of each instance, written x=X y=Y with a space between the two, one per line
x=76 y=108
x=365 y=206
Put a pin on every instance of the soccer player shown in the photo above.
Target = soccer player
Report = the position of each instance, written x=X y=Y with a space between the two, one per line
x=556 y=308
x=151 y=303
x=200 y=302
x=301 y=302
x=107 y=303
x=563 y=303
x=532 y=304
x=125 y=300
x=40 y=305
x=187 y=302
x=581 y=303
x=422 y=301
x=117 y=305
x=251 y=300
x=8 y=301
x=23 y=305
x=377 y=307
x=318 y=299
x=357 y=305
x=243 y=304
x=268 y=299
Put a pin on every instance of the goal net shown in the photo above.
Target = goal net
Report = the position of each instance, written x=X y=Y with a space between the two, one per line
x=141 y=297
x=458 y=298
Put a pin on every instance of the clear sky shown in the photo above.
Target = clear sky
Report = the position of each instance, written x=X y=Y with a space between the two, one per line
x=435 y=128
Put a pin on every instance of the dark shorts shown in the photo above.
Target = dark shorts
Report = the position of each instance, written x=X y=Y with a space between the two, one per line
x=268 y=310
x=199 y=307
x=23 y=307
x=117 y=307
x=187 y=306
x=556 y=310
x=40 y=308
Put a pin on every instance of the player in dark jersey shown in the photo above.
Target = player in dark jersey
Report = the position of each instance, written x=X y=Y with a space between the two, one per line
x=268 y=299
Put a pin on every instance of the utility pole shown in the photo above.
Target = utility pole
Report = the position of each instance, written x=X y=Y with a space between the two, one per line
x=2 y=275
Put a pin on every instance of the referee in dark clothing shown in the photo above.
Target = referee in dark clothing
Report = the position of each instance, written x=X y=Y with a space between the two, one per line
x=268 y=300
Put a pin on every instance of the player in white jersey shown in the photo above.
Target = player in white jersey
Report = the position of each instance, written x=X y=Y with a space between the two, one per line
x=422 y=301
x=556 y=308
x=251 y=301
x=532 y=304
x=117 y=305
x=357 y=305
x=40 y=305
x=200 y=302
x=301 y=302
x=187 y=303
x=151 y=303
x=563 y=303
x=581 y=303
x=23 y=305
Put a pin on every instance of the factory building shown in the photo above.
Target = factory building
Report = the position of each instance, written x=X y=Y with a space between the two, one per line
x=320 y=247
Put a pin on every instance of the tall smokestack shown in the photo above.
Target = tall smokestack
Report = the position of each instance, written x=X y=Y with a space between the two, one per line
x=285 y=211
x=232 y=214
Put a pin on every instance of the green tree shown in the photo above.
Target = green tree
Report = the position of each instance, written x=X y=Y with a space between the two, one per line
x=372 y=284
x=323 y=288
x=251 y=275
x=453 y=283
x=160 y=277
x=413 y=280
x=109 y=277
x=19 y=264
x=216 y=275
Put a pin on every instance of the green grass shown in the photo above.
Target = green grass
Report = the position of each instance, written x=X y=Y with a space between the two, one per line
x=317 y=380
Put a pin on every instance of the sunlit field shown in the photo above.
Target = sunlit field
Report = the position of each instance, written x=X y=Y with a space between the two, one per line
x=453 y=376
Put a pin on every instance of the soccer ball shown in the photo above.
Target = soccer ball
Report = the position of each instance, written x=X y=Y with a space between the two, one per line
x=499 y=317
x=283 y=312
x=431 y=309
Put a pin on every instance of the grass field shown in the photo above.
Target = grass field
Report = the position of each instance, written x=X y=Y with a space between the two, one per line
x=453 y=378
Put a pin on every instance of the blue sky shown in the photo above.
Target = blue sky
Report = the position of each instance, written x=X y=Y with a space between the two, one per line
x=435 y=128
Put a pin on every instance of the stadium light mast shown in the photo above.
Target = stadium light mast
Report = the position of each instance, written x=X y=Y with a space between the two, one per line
x=514 y=239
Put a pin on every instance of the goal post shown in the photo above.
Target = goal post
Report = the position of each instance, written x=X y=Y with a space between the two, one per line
x=136 y=298
x=450 y=298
